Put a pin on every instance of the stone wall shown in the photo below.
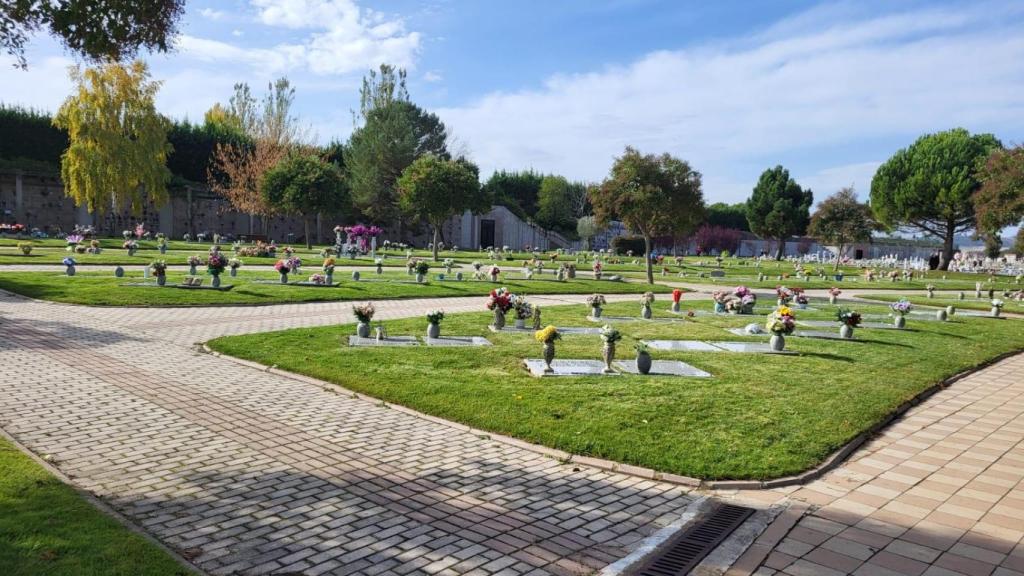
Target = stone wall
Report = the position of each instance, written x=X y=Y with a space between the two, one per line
x=38 y=201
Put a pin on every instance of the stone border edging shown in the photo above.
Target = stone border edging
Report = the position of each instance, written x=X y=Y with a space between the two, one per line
x=831 y=462
x=102 y=506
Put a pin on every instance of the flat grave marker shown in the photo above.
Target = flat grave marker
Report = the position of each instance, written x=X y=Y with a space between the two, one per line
x=389 y=341
x=457 y=341
x=567 y=368
x=663 y=368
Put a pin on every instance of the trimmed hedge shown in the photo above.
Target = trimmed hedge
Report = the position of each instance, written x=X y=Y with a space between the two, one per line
x=621 y=245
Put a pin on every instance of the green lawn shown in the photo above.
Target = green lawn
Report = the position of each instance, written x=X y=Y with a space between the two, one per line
x=759 y=416
x=968 y=303
x=46 y=528
x=103 y=289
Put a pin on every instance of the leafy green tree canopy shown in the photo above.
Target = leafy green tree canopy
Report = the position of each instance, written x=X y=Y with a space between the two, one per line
x=652 y=195
x=305 y=184
x=841 y=220
x=732 y=216
x=928 y=187
x=118 y=149
x=779 y=207
x=98 y=30
x=1000 y=201
x=517 y=191
x=554 y=205
x=436 y=189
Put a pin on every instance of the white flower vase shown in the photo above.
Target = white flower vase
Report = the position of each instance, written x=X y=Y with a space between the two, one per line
x=777 y=342
x=363 y=330
x=846 y=331
x=900 y=322
x=499 y=319
x=994 y=312
x=163 y=249
x=433 y=331
x=950 y=311
x=832 y=300
x=940 y=315
x=931 y=294
x=645 y=312
x=608 y=354
x=675 y=307
x=595 y=311
x=520 y=323
x=494 y=277
x=780 y=302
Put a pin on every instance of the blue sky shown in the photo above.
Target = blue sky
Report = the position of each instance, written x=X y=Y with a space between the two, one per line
x=829 y=90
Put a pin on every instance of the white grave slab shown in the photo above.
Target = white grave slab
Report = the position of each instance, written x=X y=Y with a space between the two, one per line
x=749 y=347
x=663 y=368
x=682 y=345
x=389 y=341
x=567 y=368
x=457 y=341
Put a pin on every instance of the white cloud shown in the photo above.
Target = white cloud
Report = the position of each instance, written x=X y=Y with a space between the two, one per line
x=826 y=181
x=211 y=14
x=342 y=38
x=734 y=109
x=432 y=76
x=44 y=86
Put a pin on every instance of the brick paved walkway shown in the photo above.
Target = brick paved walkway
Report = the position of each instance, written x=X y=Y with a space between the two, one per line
x=247 y=472
x=939 y=493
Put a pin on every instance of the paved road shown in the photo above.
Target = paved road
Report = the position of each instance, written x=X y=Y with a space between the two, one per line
x=248 y=472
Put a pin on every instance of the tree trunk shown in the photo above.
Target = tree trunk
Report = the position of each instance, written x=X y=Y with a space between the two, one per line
x=647 y=256
x=839 y=256
x=947 y=247
x=305 y=226
x=435 y=242
x=780 y=249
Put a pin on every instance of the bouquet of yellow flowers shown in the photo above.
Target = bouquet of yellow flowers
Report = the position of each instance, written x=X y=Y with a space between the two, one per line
x=548 y=334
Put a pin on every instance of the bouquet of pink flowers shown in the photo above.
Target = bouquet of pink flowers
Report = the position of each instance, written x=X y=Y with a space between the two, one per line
x=501 y=299
x=215 y=264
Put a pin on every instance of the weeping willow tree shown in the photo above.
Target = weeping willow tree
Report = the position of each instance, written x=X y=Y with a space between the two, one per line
x=117 y=152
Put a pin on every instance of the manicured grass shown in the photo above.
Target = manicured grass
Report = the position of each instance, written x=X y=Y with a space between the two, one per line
x=968 y=303
x=103 y=289
x=759 y=416
x=46 y=528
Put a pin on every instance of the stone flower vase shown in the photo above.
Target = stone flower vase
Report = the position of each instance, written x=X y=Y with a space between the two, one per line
x=608 y=353
x=595 y=312
x=363 y=330
x=846 y=331
x=329 y=278
x=494 y=277
x=778 y=342
x=994 y=312
x=380 y=269
x=233 y=272
x=161 y=279
x=119 y=272
x=419 y=278
x=355 y=276
x=780 y=302
x=191 y=269
x=571 y=273
x=284 y=277
x=645 y=312
x=643 y=362
x=499 y=319
x=931 y=293
x=433 y=331
x=458 y=276
x=549 y=356
x=215 y=282
x=70 y=271
x=675 y=307
x=520 y=323
x=960 y=296
x=940 y=315
x=950 y=311
x=900 y=322
x=162 y=248
x=832 y=300
x=597 y=275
